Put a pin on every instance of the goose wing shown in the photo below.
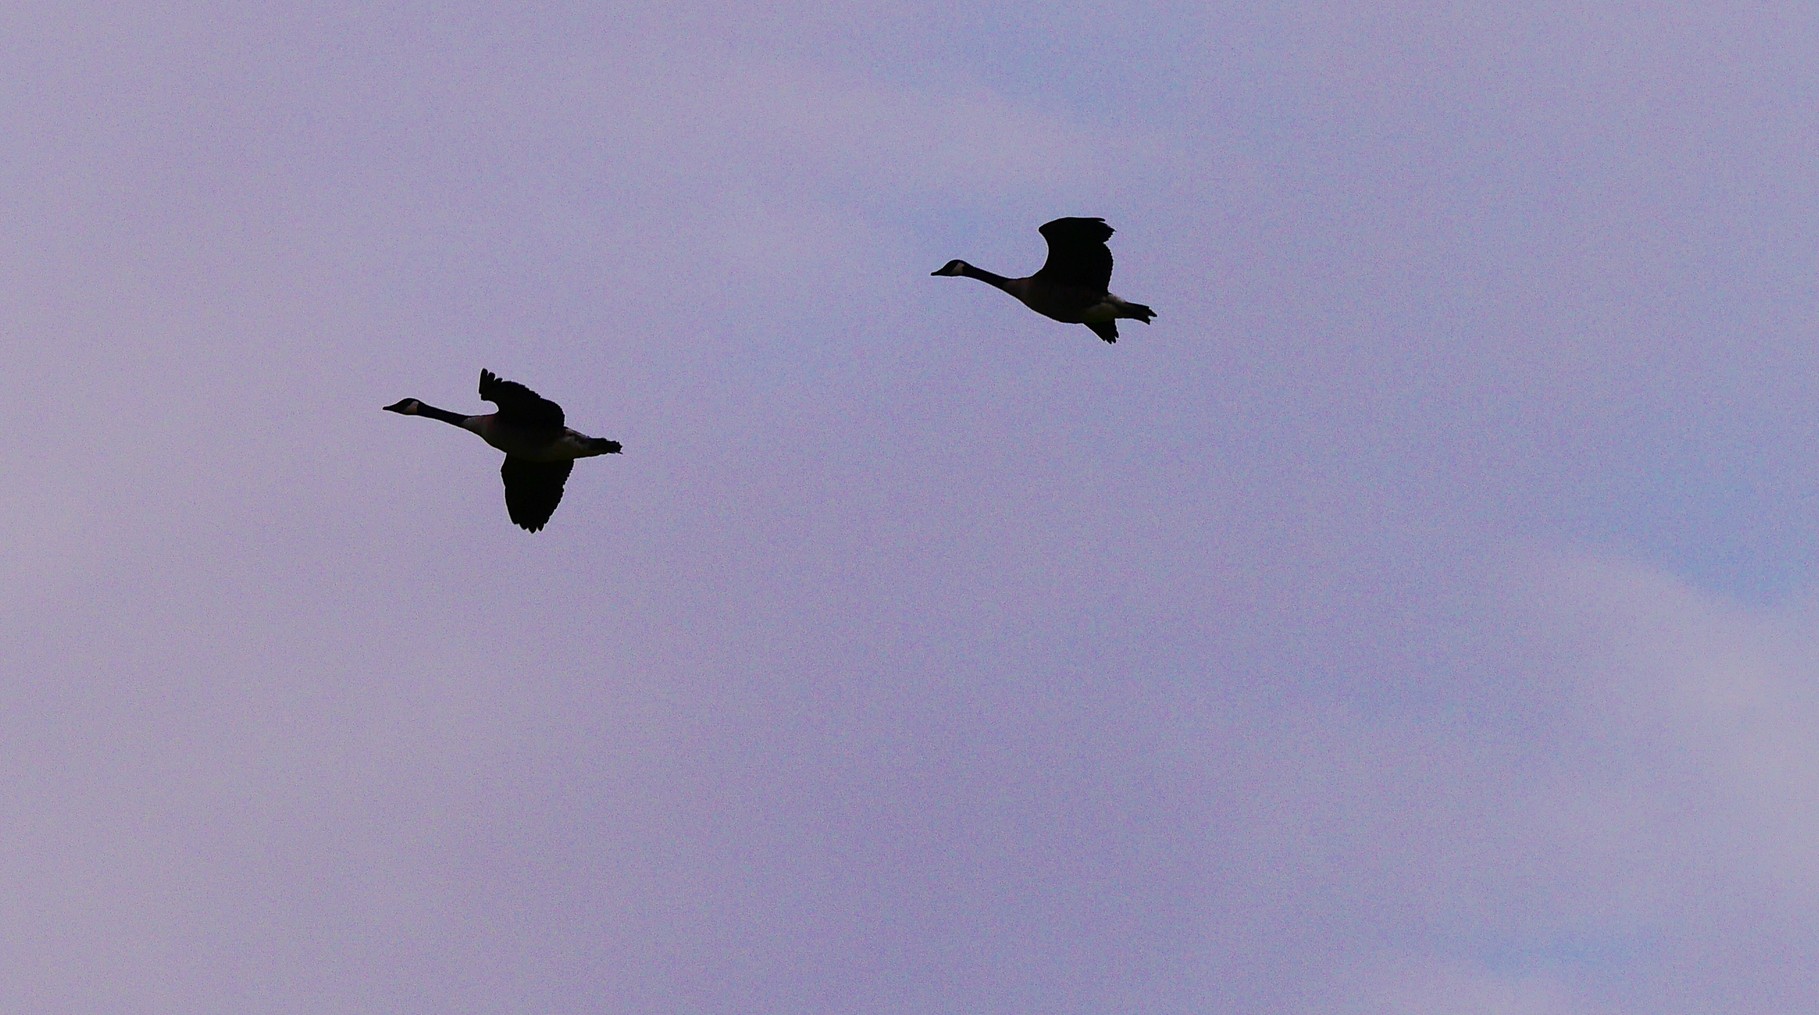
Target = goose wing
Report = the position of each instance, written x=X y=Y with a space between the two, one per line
x=1077 y=254
x=533 y=489
x=520 y=405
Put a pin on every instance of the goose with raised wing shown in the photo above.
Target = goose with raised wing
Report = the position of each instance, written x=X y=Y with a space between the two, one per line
x=539 y=450
x=1072 y=286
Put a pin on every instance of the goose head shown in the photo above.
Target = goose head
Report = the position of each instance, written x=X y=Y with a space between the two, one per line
x=408 y=407
x=954 y=267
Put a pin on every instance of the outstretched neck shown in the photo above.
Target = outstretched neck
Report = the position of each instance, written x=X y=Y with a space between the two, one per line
x=990 y=278
x=442 y=414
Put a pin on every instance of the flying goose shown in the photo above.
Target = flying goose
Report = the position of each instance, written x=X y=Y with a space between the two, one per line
x=539 y=450
x=1071 y=285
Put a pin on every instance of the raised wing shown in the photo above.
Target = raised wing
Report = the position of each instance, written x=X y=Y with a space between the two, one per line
x=519 y=404
x=533 y=489
x=1077 y=254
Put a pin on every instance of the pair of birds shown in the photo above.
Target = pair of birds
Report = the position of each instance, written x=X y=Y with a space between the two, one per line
x=540 y=451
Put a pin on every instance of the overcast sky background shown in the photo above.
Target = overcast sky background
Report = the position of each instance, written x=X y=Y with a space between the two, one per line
x=1419 y=617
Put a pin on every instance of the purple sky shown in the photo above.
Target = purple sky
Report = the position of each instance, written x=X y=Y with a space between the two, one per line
x=1419 y=617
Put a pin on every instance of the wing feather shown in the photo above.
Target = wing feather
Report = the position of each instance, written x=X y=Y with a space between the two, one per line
x=533 y=489
x=518 y=404
x=1077 y=254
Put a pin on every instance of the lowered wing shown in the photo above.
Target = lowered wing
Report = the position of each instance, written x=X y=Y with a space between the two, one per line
x=533 y=489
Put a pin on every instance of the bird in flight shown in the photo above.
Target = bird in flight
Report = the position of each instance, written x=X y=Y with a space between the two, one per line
x=539 y=450
x=1072 y=286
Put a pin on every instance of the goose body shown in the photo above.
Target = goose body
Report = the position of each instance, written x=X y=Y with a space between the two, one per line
x=1073 y=285
x=540 y=450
